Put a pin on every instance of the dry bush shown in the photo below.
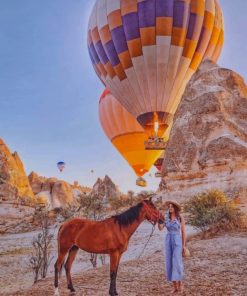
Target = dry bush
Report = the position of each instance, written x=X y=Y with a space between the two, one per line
x=93 y=209
x=117 y=203
x=144 y=194
x=212 y=211
x=41 y=259
x=68 y=212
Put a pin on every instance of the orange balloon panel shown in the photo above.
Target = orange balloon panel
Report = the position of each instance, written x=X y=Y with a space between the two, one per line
x=126 y=134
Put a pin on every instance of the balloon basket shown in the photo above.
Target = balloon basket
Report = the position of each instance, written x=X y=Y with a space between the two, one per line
x=141 y=182
x=158 y=175
x=155 y=144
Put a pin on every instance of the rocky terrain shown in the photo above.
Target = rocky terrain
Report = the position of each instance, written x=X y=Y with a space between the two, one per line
x=21 y=195
x=106 y=189
x=55 y=193
x=208 y=142
x=217 y=266
x=17 y=200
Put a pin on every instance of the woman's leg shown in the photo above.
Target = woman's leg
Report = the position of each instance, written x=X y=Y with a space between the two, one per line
x=168 y=258
x=180 y=286
x=175 y=287
x=177 y=263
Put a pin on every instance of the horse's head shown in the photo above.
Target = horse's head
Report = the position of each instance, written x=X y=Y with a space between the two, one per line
x=152 y=214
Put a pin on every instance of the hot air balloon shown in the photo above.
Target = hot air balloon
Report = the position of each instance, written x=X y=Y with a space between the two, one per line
x=126 y=135
x=61 y=165
x=145 y=52
x=158 y=164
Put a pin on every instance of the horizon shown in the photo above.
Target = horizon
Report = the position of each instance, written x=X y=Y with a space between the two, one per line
x=49 y=90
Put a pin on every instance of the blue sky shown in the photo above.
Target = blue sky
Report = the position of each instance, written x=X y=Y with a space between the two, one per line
x=49 y=91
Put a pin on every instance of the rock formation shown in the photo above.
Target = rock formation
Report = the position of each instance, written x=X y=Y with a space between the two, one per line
x=55 y=193
x=13 y=176
x=16 y=196
x=106 y=189
x=208 y=142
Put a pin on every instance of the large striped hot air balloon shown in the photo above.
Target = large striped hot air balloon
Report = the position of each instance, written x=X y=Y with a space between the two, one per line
x=145 y=52
x=126 y=134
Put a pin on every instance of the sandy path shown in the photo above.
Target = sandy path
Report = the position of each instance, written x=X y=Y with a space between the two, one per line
x=15 y=249
x=217 y=267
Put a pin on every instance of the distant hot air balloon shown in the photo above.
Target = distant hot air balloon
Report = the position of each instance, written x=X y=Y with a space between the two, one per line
x=61 y=165
x=158 y=163
x=126 y=135
x=145 y=52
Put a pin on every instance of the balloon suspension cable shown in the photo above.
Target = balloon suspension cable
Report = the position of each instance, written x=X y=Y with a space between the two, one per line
x=151 y=234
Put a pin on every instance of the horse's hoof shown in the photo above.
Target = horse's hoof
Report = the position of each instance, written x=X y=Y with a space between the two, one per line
x=71 y=288
x=56 y=292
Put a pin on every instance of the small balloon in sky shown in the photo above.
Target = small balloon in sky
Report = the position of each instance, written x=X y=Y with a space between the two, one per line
x=61 y=165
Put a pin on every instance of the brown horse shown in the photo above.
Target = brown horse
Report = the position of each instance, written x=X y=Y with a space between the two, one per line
x=110 y=236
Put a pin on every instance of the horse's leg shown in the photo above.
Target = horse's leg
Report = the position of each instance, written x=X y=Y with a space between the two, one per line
x=114 y=261
x=115 y=289
x=68 y=264
x=58 y=267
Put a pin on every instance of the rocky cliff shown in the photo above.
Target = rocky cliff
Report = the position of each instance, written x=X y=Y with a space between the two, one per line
x=16 y=195
x=106 y=189
x=20 y=195
x=55 y=193
x=14 y=183
x=208 y=141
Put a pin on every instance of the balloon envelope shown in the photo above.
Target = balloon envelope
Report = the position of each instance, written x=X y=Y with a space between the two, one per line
x=126 y=134
x=158 y=163
x=61 y=165
x=145 y=52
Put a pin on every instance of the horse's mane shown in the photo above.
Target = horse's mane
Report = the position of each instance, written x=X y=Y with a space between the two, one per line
x=129 y=216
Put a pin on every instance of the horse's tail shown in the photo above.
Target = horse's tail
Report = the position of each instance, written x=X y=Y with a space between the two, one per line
x=58 y=249
x=61 y=269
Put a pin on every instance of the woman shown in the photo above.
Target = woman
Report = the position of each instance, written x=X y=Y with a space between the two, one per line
x=174 y=243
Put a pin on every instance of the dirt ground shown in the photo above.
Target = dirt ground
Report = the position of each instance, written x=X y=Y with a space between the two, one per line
x=16 y=249
x=217 y=266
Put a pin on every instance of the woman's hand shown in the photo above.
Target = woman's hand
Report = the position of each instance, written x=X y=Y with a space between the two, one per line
x=161 y=225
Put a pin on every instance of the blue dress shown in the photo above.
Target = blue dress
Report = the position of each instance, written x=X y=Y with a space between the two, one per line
x=173 y=250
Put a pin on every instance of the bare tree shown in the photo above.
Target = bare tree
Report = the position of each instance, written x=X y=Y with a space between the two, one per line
x=94 y=209
x=41 y=259
x=131 y=197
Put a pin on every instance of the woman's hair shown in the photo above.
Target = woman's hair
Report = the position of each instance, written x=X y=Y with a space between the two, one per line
x=177 y=212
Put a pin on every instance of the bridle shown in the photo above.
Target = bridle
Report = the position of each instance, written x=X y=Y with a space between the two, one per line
x=152 y=213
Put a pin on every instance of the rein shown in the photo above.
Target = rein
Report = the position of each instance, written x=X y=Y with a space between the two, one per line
x=154 y=214
x=143 y=249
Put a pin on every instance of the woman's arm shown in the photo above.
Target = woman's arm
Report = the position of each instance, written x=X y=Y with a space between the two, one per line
x=183 y=231
x=161 y=224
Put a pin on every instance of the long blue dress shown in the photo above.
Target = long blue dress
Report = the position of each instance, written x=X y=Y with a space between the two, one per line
x=173 y=250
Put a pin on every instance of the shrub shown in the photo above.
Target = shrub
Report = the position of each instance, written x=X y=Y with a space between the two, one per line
x=40 y=258
x=116 y=203
x=213 y=210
